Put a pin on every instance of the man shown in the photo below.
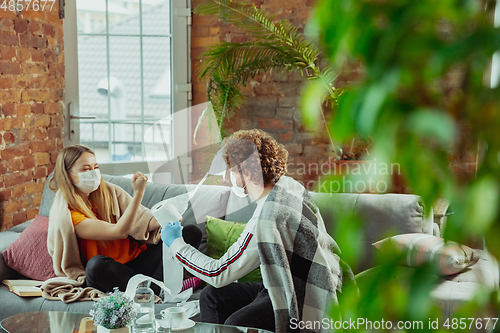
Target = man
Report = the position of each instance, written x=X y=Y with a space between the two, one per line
x=286 y=237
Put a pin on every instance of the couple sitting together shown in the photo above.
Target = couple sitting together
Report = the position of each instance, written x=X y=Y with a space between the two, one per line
x=116 y=238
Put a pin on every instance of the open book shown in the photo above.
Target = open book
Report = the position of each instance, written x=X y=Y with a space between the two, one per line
x=24 y=288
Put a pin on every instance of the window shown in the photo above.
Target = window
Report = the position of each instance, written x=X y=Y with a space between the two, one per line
x=120 y=79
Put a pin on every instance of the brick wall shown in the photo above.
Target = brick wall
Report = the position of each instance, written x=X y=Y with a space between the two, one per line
x=271 y=99
x=31 y=109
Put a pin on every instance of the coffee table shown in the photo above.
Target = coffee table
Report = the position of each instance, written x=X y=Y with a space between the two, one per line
x=68 y=322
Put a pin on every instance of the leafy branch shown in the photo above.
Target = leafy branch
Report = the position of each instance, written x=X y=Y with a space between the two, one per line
x=275 y=46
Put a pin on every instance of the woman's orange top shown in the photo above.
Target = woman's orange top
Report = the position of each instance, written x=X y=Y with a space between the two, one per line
x=121 y=250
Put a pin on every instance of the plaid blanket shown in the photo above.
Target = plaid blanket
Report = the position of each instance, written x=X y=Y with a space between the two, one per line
x=299 y=260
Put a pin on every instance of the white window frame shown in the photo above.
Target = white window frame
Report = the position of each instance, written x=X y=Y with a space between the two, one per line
x=181 y=93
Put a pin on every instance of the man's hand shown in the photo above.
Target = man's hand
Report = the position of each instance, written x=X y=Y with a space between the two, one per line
x=170 y=232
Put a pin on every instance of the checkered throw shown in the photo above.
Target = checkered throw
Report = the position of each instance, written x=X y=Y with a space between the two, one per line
x=299 y=262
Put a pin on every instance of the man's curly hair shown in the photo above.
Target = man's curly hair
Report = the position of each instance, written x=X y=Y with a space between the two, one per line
x=243 y=144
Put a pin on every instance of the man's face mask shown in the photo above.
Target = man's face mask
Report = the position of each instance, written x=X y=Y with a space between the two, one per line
x=239 y=191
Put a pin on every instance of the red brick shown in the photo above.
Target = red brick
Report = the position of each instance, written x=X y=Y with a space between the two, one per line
x=6 y=24
x=204 y=41
x=5 y=194
x=35 y=95
x=20 y=26
x=287 y=136
x=42 y=158
x=56 y=70
x=32 y=68
x=56 y=95
x=294 y=149
x=42 y=121
x=6 y=82
x=14 y=165
x=21 y=81
x=34 y=187
x=19 y=191
x=9 y=96
x=39 y=172
x=17 y=178
x=23 y=109
x=37 y=199
x=11 y=207
x=19 y=218
x=9 y=67
x=42 y=146
x=37 y=108
x=38 y=82
x=55 y=133
x=16 y=151
x=29 y=162
x=8 y=39
x=25 y=204
x=6 y=124
x=25 y=40
x=9 y=137
x=23 y=54
x=31 y=213
x=49 y=30
x=28 y=122
x=53 y=108
x=50 y=168
x=39 y=14
x=53 y=158
x=35 y=27
x=8 y=109
x=272 y=123
x=37 y=42
x=27 y=134
x=40 y=133
x=37 y=55
x=57 y=121
x=8 y=53
x=50 y=56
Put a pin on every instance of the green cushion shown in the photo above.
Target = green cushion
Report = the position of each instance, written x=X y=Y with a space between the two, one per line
x=221 y=235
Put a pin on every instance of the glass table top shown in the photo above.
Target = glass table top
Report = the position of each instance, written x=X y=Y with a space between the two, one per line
x=68 y=322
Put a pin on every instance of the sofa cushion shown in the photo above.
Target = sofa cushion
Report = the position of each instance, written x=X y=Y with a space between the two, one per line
x=382 y=215
x=447 y=258
x=28 y=255
x=221 y=235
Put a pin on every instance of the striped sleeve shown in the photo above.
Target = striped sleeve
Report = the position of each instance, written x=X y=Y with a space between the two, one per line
x=241 y=258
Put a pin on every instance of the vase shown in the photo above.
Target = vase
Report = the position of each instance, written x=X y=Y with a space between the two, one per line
x=102 y=329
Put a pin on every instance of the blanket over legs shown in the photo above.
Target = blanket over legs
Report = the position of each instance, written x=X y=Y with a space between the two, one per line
x=300 y=262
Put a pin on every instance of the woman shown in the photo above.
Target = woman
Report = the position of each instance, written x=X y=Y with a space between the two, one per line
x=115 y=234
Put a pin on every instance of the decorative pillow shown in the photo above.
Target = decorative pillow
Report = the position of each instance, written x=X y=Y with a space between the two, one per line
x=28 y=254
x=221 y=235
x=447 y=257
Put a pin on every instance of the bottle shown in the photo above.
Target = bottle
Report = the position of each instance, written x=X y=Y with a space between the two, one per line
x=144 y=301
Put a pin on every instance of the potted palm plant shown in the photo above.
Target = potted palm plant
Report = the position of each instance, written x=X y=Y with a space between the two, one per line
x=273 y=46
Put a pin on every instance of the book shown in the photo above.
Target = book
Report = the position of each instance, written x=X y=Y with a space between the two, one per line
x=24 y=288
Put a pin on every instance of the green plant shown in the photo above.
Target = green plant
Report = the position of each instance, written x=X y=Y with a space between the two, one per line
x=274 y=46
x=424 y=64
x=114 y=311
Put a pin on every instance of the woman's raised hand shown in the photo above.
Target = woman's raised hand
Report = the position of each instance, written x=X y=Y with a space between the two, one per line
x=139 y=181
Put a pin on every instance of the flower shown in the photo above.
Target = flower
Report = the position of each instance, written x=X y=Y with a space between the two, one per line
x=114 y=311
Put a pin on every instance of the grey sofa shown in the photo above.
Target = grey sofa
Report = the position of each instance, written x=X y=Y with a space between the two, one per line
x=384 y=215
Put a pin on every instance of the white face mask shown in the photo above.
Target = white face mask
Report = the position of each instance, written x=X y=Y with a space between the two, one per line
x=239 y=191
x=88 y=181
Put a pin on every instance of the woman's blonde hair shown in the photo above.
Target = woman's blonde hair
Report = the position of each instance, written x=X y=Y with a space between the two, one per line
x=100 y=198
